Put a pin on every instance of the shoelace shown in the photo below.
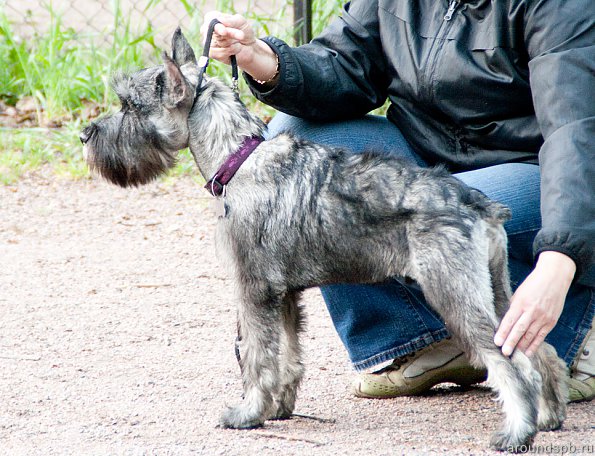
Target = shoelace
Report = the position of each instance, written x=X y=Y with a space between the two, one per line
x=396 y=364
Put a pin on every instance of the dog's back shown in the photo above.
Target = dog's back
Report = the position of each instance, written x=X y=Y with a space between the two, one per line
x=393 y=187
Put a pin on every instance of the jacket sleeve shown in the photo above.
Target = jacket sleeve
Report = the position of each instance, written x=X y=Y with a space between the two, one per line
x=560 y=38
x=340 y=74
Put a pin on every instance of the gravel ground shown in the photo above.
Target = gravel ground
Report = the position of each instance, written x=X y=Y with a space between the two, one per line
x=116 y=337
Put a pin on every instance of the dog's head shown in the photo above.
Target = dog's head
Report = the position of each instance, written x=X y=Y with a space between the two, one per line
x=141 y=141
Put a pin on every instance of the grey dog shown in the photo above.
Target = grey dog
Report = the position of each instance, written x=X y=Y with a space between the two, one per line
x=300 y=215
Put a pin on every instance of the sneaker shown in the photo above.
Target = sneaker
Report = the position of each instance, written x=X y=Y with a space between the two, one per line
x=581 y=385
x=416 y=373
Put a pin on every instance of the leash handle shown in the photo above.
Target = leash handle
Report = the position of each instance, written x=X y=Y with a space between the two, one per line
x=203 y=61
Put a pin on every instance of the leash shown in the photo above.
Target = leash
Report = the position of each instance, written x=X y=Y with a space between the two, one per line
x=203 y=61
x=216 y=185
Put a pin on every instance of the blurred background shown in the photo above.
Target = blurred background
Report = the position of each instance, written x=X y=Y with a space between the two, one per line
x=57 y=58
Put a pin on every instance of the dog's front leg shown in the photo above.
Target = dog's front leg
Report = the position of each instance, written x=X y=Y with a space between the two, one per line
x=260 y=325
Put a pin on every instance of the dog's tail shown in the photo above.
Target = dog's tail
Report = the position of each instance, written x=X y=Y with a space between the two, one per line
x=498 y=213
x=491 y=211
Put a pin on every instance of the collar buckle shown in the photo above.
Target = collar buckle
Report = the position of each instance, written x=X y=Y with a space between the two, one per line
x=215 y=187
x=217 y=184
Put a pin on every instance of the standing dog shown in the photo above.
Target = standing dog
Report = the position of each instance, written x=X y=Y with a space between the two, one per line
x=300 y=215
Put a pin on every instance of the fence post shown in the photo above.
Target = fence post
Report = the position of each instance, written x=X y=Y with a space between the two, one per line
x=302 y=21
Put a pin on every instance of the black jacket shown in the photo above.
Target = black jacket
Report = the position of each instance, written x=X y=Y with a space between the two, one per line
x=499 y=81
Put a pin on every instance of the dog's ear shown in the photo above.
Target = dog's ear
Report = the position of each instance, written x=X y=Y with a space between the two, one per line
x=176 y=89
x=181 y=51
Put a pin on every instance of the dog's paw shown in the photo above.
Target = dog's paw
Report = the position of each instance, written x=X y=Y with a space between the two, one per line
x=550 y=418
x=502 y=441
x=283 y=408
x=282 y=413
x=240 y=417
x=552 y=425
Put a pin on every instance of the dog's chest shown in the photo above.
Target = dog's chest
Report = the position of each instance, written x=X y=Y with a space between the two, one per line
x=219 y=207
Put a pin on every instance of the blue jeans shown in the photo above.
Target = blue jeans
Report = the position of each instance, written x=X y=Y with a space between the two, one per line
x=380 y=322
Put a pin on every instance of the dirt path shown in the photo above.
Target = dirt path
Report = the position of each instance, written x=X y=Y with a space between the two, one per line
x=116 y=333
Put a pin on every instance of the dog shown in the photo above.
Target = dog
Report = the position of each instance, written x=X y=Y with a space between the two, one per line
x=298 y=215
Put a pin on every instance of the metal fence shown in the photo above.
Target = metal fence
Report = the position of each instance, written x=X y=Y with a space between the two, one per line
x=95 y=19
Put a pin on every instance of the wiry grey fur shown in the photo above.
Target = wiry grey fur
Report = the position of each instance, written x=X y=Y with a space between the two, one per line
x=301 y=215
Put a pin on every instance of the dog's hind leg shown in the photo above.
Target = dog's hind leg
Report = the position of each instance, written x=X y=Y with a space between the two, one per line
x=518 y=386
x=291 y=368
x=553 y=394
x=260 y=324
x=467 y=306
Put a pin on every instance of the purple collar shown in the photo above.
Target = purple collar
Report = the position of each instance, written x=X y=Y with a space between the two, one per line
x=228 y=169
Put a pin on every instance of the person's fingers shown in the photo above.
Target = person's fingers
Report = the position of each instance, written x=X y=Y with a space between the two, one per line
x=538 y=340
x=222 y=31
x=223 y=54
x=235 y=21
x=207 y=21
x=222 y=42
x=506 y=325
x=527 y=340
x=228 y=27
x=519 y=329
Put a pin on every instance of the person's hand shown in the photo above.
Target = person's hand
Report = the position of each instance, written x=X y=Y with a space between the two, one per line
x=536 y=304
x=235 y=36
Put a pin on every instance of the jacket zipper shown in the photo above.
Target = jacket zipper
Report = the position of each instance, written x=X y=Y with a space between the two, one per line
x=451 y=10
x=434 y=51
x=437 y=44
x=452 y=7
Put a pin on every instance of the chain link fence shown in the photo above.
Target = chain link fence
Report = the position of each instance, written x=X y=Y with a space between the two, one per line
x=94 y=20
x=56 y=56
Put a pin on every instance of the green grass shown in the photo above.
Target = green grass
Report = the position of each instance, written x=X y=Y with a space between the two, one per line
x=61 y=68
x=64 y=71
x=27 y=149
